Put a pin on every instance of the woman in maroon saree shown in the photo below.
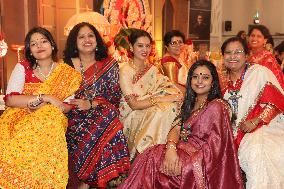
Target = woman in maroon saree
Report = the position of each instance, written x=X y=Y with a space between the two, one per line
x=97 y=148
x=199 y=153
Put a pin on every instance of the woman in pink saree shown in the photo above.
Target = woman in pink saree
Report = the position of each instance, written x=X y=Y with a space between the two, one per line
x=200 y=150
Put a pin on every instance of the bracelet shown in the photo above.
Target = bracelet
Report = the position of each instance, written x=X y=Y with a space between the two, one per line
x=38 y=101
x=253 y=123
x=153 y=101
x=171 y=141
x=171 y=146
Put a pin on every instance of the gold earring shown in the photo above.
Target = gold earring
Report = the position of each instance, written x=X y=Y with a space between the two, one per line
x=131 y=49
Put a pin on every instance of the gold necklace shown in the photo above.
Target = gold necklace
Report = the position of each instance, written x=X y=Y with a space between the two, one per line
x=50 y=71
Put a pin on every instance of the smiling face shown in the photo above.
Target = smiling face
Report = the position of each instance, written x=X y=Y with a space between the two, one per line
x=86 y=40
x=40 y=47
x=174 y=48
x=201 y=81
x=257 y=40
x=234 y=57
x=142 y=48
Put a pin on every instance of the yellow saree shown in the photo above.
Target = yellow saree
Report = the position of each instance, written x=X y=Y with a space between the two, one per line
x=33 y=150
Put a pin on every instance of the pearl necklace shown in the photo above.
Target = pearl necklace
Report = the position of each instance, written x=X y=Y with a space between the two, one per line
x=50 y=71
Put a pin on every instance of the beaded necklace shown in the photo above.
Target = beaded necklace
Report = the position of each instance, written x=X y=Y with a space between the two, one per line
x=233 y=100
x=185 y=131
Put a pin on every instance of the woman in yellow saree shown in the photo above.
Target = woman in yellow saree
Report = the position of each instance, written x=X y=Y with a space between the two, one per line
x=33 y=150
x=150 y=101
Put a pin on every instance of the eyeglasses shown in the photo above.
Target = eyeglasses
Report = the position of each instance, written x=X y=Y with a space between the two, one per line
x=176 y=43
x=235 y=52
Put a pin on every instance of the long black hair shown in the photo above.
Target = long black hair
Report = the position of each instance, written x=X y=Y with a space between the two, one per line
x=190 y=96
x=45 y=33
x=71 y=50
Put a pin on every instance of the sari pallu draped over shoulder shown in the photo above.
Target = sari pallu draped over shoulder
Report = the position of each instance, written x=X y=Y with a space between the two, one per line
x=96 y=143
x=33 y=149
x=261 y=152
x=209 y=157
x=146 y=127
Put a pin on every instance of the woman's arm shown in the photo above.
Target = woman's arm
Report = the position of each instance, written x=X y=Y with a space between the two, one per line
x=135 y=104
x=172 y=164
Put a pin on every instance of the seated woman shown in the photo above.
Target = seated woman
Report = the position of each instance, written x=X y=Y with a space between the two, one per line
x=33 y=149
x=97 y=147
x=150 y=101
x=173 y=68
x=200 y=150
x=257 y=101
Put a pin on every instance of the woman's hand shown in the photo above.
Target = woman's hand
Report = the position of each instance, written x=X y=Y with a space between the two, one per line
x=171 y=165
x=54 y=101
x=249 y=125
x=81 y=104
x=171 y=98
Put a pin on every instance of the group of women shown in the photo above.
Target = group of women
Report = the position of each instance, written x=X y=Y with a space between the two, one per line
x=80 y=122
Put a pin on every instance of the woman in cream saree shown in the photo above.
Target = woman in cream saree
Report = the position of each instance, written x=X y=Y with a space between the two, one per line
x=149 y=126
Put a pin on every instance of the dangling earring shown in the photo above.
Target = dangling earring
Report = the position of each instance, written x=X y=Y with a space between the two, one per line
x=52 y=47
x=96 y=49
x=75 y=51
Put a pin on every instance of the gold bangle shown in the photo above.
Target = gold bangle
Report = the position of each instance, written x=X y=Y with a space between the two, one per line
x=171 y=141
x=153 y=101
x=253 y=123
x=171 y=146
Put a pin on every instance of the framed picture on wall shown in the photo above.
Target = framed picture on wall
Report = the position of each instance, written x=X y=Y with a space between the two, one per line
x=200 y=4
x=199 y=24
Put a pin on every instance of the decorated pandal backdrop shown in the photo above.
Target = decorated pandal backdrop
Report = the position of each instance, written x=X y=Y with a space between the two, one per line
x=118 y=18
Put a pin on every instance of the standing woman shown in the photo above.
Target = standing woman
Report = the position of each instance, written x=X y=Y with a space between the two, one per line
x=257 y=101
x=258 y=37
x=150 y=101
x=33 y=149
x=97 y=147
x=174 y=69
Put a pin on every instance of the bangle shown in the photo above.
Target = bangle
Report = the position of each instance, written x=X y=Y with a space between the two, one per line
x=35 y=103
x=171 y=146
x=253 y=123
x=171 y=141
x=153 y=101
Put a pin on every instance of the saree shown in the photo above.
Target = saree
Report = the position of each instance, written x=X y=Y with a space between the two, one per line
x=96 y=144
x=175 y=69
x=267 y=59
x=150 y=126
x=33 y=150
x=261 y=152
x=209 y=157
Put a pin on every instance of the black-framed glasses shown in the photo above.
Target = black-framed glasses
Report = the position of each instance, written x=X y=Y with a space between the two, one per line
x=235 y=52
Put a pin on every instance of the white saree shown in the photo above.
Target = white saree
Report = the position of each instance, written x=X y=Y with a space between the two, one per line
x=261 y=153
